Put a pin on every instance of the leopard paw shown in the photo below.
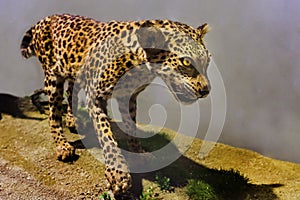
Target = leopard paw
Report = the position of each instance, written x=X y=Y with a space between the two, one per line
x=118 y=181
x=66 y=152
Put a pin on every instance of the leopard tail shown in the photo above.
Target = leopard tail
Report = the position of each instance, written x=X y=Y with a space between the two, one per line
x=27 y=49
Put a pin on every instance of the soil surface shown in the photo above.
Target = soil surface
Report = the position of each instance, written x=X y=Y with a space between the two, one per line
x=29 y=169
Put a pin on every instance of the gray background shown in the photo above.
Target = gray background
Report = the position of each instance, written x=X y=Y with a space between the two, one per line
x=255 y=44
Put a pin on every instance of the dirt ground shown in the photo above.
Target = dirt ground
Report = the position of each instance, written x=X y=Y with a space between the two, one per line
x=29 y=169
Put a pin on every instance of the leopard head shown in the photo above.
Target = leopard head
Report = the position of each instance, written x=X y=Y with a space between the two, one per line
x=179 y=57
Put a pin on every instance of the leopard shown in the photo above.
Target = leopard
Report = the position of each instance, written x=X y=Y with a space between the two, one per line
x=94 y=56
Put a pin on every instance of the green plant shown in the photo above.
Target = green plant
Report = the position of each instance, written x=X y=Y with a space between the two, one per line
x=83 y=115
x=198 y=190
x=105 y=196
x=147 y=194
x=164 y=183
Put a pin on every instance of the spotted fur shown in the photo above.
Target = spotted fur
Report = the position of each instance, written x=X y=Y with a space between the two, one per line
x=97 y=55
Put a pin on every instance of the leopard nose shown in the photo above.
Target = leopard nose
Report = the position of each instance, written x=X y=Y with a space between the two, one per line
x=204 y=91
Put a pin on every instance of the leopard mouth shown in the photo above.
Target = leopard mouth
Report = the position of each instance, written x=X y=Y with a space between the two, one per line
x=183 y=94
x=186 y=94
x=185 y=99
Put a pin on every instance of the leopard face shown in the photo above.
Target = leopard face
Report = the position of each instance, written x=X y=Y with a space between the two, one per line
x=180 y=59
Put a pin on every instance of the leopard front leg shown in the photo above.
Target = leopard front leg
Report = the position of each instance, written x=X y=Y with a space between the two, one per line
x=55 y=86
x=116 y=169
x=127 y=107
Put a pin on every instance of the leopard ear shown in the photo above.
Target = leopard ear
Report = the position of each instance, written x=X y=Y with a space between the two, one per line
x=150 y=37
x=205 y=28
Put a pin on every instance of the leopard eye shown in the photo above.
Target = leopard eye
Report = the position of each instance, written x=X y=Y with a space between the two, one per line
x=186 y=62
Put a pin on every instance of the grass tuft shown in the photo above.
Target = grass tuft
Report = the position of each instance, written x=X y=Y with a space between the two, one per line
x=198 y=190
